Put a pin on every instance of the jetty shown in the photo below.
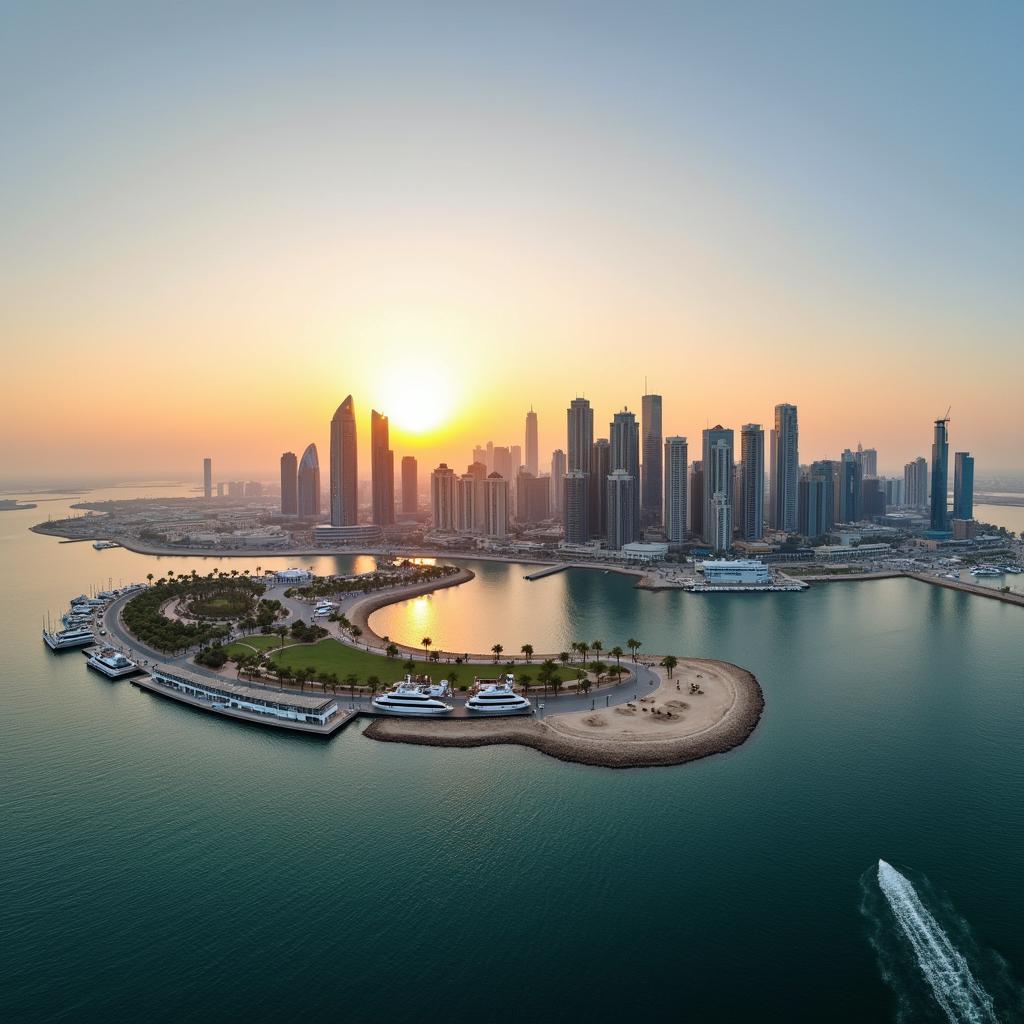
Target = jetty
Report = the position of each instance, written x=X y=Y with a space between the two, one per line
x=546 y=570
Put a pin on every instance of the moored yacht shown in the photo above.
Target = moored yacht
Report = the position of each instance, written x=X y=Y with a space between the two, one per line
x=67 y=639
x=113 y=664
x=410 y=698
x=497 y=698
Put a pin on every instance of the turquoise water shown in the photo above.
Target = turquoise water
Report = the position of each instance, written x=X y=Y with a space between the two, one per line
x=163 y=866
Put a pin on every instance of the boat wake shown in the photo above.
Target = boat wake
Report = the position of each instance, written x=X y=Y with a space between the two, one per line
x=933 y=968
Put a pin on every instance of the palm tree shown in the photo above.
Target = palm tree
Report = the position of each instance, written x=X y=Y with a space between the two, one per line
x=435 y=656
x=556 y=683
x=524 y=681
x=582 y=681
x=497 y=649
x=527 y=650
x=350 y=681
x=426 y=642
x=597 y=647
x=373 y=682
x=391 y=650
x=634 y=646
x=670 y=663
x=409 y=666
x=563 y=657
x=149 y=576
x=453 y=678
x=356 y=632
x=616 y=652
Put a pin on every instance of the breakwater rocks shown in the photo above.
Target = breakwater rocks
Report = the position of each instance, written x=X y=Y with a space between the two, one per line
x=562 y=736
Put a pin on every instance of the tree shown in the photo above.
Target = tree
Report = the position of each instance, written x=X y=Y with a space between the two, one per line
x=616 y=652
x=149 y=576
x=435 y=656
x=563 y=657
x=582 y=681
x=409 y=666
x=524 y=681
x=669 y=662
x=597 y=646
x=453 y=678
x=426 y=642
x=497 y=649
x=356 y=632
x=584 y=648
x=373 y=682
x=391 y=650
x=527 y=651
x=556 y=683
x=350 y=681
x=634 y=646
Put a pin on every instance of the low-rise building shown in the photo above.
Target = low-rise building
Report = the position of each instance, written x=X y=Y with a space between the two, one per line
x=846 y=553
x=736 y=571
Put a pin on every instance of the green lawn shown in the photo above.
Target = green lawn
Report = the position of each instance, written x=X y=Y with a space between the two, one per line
x=256 y=642
x=329 y=655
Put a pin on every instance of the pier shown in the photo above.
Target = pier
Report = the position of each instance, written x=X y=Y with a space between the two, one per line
x=546 y=570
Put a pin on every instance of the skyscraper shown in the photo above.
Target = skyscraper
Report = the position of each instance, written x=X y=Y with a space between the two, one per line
x=600 y=467
x=410 y=486
x=940 y=476
x=580 y=434
x=816 y=512
x=868 y=459
x=557 y=481
x=501 y=461
x=847 y=488
x=915 y=483
x=344 y=468
x=208 y=478
x=533 y=498
x=624 y=442
x=651 y=470
x=497 y=506
x=718 y=444
x=752 y=481
x=289 y=484
x=576 y=518
x=963 y=486
x=382 y=470
x=785 y=469
x=676 y=467
x=532 y=464
x=623 y=527
x=696 y=496
x=308 y=483
x=443 y=498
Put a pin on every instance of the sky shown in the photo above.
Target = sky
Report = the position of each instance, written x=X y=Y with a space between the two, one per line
x=219 y=219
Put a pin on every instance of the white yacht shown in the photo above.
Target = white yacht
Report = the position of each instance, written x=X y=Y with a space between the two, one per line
x=498 y=698
x=986 y=570
x=409 y=698
x=112 y=663
x=66 y=639
x=105 y=545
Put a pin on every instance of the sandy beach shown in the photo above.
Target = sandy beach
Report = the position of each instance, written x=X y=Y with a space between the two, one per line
x=669 y=726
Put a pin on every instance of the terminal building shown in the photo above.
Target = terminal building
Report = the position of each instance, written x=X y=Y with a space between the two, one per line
x=736 y=571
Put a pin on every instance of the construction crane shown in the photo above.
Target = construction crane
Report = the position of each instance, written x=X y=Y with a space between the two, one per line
x=945 y=419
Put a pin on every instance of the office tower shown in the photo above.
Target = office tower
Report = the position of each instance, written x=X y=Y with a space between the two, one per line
x=721 y=522
x=480 y=455
x=963 y=486
x=532 y=463
x=489 y=461
x=308 y=483
x=915 y=483
x=557 y=481
x=872 y=497
x=696 y=502
x=580 y=434
x=533 y=499
x=893 y=491
x=382 y=471
x=469 y=499
x=344 y=467
x=576 y=518
x=501 y=462
x=623 y=527
x=940 y=475
x=718 y=445
x=443 y=498
x=624 y=442
x=597 y=486
x=816 y=500
x=220 y=490
x=477 y=471
x=868 y=459
x=410 y=486
x=208 y=478
x=515 y=459
x=651 y=470
x=752 y=481
x=236 y=489
x=676 y=468
x=848 y=488
x=785 y=469
x=497 y=506
x=289 y=484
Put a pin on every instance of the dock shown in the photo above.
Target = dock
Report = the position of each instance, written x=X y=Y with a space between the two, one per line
x=547 y=570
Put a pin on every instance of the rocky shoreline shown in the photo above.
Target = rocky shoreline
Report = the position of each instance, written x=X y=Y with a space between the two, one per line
x=730 y=732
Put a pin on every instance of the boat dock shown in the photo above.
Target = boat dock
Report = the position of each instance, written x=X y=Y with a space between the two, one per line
x=547 y=570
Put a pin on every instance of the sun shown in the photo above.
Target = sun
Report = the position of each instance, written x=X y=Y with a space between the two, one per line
x=418 y=401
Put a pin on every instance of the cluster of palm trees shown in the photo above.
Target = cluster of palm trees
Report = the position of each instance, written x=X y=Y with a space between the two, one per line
x=379 y=579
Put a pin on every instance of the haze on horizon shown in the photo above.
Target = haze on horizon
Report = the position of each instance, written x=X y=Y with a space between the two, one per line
x=220 y=220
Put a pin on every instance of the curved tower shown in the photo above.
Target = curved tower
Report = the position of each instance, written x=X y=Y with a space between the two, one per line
x=344 y=471
x=309 y=483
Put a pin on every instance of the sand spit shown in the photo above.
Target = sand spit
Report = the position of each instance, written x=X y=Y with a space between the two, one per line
x=668 y=727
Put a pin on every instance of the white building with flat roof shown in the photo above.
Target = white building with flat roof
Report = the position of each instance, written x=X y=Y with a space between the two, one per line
x=638 y=552
x=736 y=571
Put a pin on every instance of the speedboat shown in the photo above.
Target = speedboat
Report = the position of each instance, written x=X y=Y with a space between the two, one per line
x=498 y=698
x=68 y=638
x=113 y=664
x=410 y=698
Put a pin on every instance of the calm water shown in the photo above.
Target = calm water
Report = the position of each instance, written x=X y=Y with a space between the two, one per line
x=163 y=866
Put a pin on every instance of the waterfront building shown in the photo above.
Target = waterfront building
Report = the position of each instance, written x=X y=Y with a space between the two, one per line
x=785 y=469
x=576 y=518
x=752 y=481
x=736 y=571
x=675 y=489
x=721 y=522
x=382 y=470
x=600 y=467
x=940 y=476
x=963 y=486
x=532 y=464
x=533 y=498
x=718 y=445
x=344 y=466
x=624 y=454
x=410 y=486
x=816 y=505
x=623 y=524
x=915 y=483
x=289 y=484
x=308 y=484
x=651 y=467
x=645 y=553
x=207 y=478
x=558 y=469
x=696 y=496
x=367 y=533
x=497 y=506
x=443 y=498
x=469 y=500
